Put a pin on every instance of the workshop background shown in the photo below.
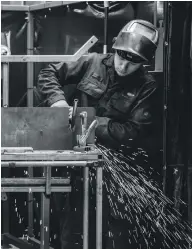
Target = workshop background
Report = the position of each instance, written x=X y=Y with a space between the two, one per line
x=64 y=29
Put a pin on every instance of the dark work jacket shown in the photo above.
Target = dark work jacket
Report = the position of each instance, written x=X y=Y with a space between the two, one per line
x=126 y=106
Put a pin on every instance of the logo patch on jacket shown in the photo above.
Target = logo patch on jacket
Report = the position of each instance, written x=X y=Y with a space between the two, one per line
x=130 y=94
x=96 y=76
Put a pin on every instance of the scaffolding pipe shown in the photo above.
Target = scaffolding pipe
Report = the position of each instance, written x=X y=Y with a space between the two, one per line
x=5 y=79
x=30 y=81
x=5 y=76
x=86 y=208
x=99 y=200
x=166 y=69
x=106 y=10
x=30 y=66
x=45 y=163
x=155 y=14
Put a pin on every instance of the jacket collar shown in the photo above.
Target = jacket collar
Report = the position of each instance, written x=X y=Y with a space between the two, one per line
x=109 y=60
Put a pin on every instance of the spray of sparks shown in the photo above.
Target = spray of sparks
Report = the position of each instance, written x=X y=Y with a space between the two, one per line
x=134 y=197
x=140 y=201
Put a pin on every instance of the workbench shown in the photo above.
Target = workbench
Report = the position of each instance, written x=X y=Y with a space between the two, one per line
x=45 y=128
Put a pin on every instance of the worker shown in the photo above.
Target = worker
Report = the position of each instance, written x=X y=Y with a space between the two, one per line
x=118 y=86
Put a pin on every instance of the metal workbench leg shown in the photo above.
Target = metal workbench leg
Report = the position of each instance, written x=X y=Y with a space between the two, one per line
x=6 y=204
x=45 y=211
x=30 y=207
x=86 y=208
x=30 y=80
x=99 y=199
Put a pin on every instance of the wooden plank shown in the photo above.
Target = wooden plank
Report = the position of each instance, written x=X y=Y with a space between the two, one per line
x=5 y=7
x=41 y=128
x=36 y=7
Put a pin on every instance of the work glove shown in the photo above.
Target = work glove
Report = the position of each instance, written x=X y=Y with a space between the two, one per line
x=63 y=103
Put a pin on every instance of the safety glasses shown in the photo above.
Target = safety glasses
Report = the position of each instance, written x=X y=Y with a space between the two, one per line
x=129 y=57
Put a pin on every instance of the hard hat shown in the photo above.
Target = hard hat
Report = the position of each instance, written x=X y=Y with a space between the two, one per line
x=138 y=37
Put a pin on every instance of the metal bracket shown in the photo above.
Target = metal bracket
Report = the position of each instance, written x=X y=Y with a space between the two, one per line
x=50 y=58
x=3 y=196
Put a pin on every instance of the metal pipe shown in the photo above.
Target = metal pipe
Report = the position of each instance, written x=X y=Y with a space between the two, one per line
x=33 y=181
x=83 y=116
x=5 y=76
x=5 y=79
x=30 y=66
x=86 y=208
x=106 y=10
x=155 y=14
x=47 y=163
x=34 y=189
x=166 y=51
x=99 y=200
x=30 y=82
x=45 y=214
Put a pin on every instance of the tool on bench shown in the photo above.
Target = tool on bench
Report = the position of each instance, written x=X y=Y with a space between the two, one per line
x=74 y=113
x=85 y=133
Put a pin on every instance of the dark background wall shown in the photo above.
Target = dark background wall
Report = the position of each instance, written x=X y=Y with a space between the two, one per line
x=63 y=30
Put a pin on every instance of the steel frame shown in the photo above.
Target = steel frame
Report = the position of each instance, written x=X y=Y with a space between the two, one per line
x=47 y=184
x=36 y=7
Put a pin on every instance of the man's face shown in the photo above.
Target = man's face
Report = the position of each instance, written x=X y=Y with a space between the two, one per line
x=124 y=65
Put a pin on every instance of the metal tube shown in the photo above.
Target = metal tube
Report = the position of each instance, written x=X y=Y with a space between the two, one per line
x=39 y=189
x=86 y=208
x=5 y=74
x=30 y=207
x=45 y=214
x=45 y=163
x=99 y=200
x=30 y=82
x=106 y=8
x=6 y=204
x=30 y=66
x=155 y=14
x=33 y=181
x=166 y=87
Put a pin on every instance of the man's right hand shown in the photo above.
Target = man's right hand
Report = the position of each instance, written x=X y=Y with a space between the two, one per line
x=60 y=103
x=63 y=103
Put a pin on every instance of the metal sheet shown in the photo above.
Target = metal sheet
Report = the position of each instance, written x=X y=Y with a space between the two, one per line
x=40 y=128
